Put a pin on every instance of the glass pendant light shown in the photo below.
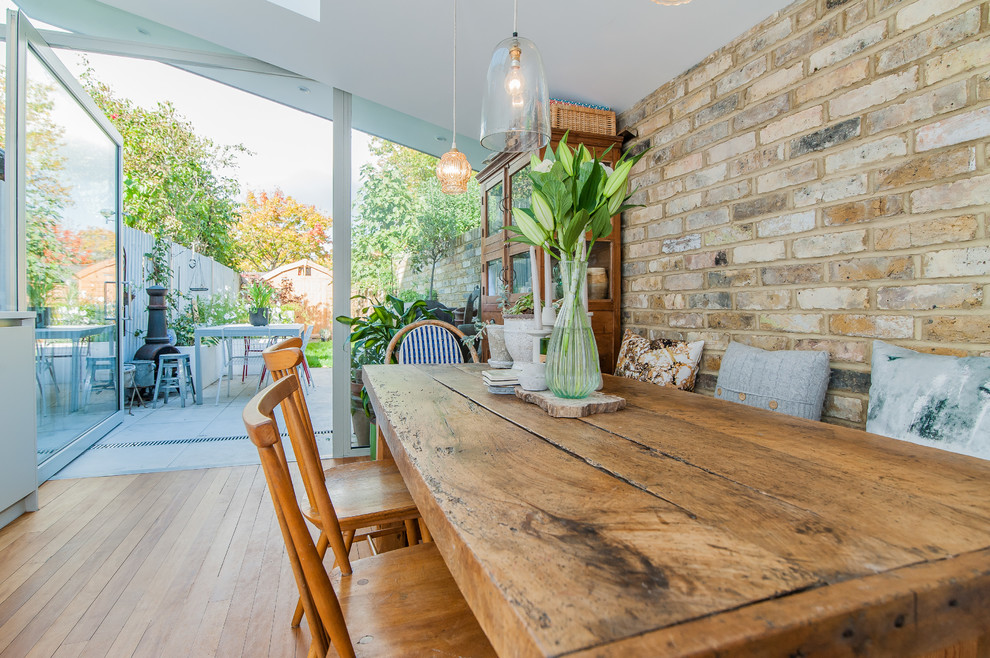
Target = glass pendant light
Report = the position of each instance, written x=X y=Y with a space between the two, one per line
x=453 y=170
x=515 y=115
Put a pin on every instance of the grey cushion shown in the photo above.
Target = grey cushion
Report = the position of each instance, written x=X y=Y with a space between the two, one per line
x=792 y=383
x=935 y=400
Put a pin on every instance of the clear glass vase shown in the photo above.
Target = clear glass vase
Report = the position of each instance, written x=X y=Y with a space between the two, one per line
x=573 y=370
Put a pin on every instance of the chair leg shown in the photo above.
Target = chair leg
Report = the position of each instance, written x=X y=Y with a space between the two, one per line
x=425 y=532
x=321 y=548
x=411 y=537
x=158 y=383
x=309 y=378
x=181 y=383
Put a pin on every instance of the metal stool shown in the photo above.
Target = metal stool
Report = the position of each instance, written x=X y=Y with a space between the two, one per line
x=94 y=366
x=174 y=373
x=130 y=370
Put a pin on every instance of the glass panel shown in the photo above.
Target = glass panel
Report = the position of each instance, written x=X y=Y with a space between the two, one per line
x=521 y=279
x=494 y=205
x=71 y=206
x=8 y=239
x=599 y=270
x=495 y=282
x=521 y=190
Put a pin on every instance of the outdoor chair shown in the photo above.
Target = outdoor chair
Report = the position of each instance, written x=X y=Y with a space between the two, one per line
x=229 y=358
x=399 y=603
x=291 y=342
x=368 y=494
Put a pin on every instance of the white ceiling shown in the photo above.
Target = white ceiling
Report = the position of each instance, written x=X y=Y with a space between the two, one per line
x=396 y=54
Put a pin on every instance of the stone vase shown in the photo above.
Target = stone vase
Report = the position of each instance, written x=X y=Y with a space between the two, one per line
x=496 y=345
x=517 y=340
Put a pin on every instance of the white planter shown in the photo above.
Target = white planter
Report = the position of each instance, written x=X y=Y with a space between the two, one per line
x=212 y=361
x=518 y=342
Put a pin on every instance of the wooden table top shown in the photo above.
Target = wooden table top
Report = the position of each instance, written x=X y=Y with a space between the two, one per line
x=685 y=525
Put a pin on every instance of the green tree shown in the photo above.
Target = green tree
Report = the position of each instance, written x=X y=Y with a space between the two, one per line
x=275 y=229
x=441 y=219
x=174 y=182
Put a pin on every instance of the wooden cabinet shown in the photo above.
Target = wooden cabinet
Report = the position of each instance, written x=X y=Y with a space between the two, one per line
x=506 y=266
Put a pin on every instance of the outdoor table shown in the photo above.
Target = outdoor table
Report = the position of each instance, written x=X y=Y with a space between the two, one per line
x=236 y=331
x=75 y=333
x=688 y=525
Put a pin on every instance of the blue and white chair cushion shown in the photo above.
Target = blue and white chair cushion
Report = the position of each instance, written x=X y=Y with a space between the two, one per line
x=430 y=344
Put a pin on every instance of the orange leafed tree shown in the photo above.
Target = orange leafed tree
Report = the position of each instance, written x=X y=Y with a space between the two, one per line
x=275 y=229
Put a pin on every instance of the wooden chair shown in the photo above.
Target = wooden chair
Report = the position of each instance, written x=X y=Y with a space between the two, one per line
x=399 y=603
x=367 y=494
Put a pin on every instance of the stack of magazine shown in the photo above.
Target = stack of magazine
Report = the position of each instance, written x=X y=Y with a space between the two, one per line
x=501 y=381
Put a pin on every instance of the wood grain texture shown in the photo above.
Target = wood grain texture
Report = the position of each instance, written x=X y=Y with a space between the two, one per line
x=596 y=403
x=684 y=525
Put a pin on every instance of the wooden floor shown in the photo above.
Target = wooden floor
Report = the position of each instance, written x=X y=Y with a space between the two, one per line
x=180 y=563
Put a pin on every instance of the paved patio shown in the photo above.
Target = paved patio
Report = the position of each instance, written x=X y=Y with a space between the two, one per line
x=173 y=438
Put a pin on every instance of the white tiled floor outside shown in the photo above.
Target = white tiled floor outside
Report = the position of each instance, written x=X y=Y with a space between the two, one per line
x=174 y=438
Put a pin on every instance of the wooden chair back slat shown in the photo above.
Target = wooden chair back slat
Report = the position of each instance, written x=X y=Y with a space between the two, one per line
x=457 y=333
x=317 y=593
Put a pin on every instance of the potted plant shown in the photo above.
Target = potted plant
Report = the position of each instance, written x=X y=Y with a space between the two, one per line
x=260 y=296
x=517 y=319
x=372 y=329
x=573 y=201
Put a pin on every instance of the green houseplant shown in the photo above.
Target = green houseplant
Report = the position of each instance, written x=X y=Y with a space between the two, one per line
x=575 y=196
x=260 y=296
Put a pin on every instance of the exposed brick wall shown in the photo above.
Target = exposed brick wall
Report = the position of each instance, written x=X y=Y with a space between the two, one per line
x=819 y=182
x=457 y=274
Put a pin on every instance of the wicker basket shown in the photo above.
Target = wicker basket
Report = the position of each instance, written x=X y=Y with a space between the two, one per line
x=582 y=119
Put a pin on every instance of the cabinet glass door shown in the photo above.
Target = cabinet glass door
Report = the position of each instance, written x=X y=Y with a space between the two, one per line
x=493 y=202
x=521 y=188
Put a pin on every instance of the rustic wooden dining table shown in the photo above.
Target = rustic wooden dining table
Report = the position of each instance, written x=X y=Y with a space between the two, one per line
x=683 y=525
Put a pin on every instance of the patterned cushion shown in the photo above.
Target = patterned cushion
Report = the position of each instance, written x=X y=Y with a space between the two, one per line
x=661 y=361
x=790 y=382
x=430 y=344
x=934 y=400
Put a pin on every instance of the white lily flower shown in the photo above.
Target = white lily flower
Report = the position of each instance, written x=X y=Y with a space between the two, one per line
x=608 y=170
x=544 y=167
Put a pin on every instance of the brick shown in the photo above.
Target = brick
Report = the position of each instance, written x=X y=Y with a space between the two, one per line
x=800 y=46
x=927 y=232
x=921 y=11
x=833 y=298
x=759 y=253
x=793 y=175
x=866 y=154
x=645 y=283
x=830 y=190
x=732 y=147
x=686 y=320
x=672 y=132
x=763 y=300
x=924 y=43
x=856 y=15
x=633 y=268
x=826 y=138
x=764 y=342
x=802 y=323
x=757 y=114
x=731 y=321
x=844 y=408
x=665 y=228
x=925 y=168
x=741 y=77
x=701 y=138
x=847 y=47
x=828 y=82
x=791 y=274
x=643 y=249
x=684 y=203
x=766 y=38
x=958 y=329
x=653 y=123
x=667 y=264
x=925 y=297
x=960 y=194
x=838 y=350
x=863 y=211
x=924 y=106
x=705 y=177
x=686 y=243
x=690 y=104
x=806 y=16
x=775 y=82
x=970 y=261
x=689 y=281
x=710 y=300
x=729 y=235
x=954 y=130
x=761 y=206
x=876 y=267
x=665 y=191
x=673 y=302
x=683 y=166
x=830 y=244
x=961 y=59
x=707 y=218
x=786 y=224
x=732 y=279
x=872 y=326
x=792 y=125
x=709 y=72
x=717 y=110
x=725 y=193
x=876 y=93
x=853 y=381
x=756 y=160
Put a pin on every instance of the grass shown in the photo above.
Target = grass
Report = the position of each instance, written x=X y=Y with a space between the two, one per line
x=319 y=355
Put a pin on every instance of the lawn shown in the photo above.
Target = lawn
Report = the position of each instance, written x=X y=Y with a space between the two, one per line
x=319 y=355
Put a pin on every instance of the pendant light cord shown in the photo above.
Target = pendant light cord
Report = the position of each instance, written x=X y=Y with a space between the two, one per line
x=515 y=18
x=453 y=142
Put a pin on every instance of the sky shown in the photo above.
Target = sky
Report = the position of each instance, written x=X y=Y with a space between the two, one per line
x=289 y=149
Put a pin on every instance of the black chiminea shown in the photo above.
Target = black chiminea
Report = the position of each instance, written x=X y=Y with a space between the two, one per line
x=156 y=340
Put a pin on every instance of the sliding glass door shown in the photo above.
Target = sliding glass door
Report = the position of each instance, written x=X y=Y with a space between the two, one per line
x=64 y=164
